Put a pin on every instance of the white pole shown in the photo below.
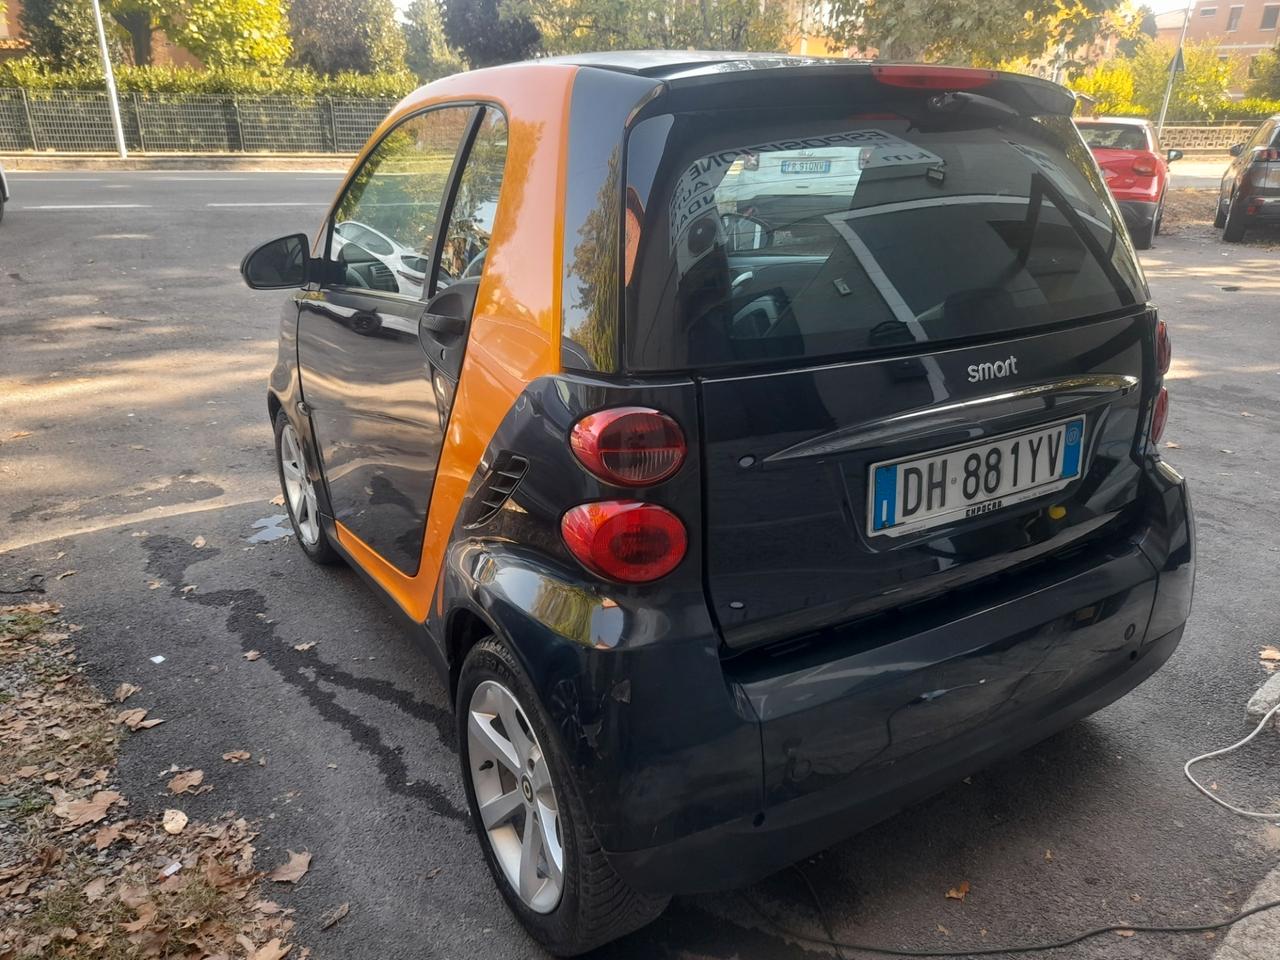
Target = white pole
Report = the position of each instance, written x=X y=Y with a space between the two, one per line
x=112 y=101
x=1173 y=67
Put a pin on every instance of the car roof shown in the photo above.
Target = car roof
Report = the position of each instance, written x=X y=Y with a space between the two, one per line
x=668 y=64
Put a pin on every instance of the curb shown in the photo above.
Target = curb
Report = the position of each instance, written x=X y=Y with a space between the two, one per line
x=313 y=163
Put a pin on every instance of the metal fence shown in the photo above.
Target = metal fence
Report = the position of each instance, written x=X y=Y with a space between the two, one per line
x=79 y=121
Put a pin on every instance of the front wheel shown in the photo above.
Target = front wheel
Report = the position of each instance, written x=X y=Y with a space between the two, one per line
x=300 y=493
x=1219 y=216
x=531 y=823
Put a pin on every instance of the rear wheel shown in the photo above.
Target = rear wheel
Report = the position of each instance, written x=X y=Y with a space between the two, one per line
x=1233 y=228
x=300 y=493
x=1219 y=216
x=1145 y=237
x=531 y=823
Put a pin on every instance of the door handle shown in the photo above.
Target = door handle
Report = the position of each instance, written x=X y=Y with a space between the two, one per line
x=442 y=324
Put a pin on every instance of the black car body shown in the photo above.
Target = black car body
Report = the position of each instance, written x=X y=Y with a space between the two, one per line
x=1250 y=190
x=813 y=606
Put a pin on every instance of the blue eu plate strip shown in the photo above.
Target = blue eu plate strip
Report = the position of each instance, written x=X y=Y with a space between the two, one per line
x=1071 y=448
x=886 y=497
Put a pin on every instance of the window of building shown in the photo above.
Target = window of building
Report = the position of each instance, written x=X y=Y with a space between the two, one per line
x=1208 y=11
x=1233 y=19
x=1270 y=15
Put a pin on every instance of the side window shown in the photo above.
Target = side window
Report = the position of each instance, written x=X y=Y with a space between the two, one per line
x=466 y=238
x=385 y=222
x=1261 y=137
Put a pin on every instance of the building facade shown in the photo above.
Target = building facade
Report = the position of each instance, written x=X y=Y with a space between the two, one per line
x=1240 y=29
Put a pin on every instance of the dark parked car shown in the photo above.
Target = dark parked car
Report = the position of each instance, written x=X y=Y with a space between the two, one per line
x=1250 y=191
x=738 y=512
x=4 y=192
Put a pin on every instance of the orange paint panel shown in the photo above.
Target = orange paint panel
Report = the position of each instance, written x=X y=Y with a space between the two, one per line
x=515 y=332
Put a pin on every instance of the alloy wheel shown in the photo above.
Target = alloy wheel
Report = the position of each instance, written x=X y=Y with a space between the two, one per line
x=298 y=488
x=515 y=797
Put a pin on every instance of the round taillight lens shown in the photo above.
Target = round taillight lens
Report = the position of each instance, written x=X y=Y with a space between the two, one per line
x=1164 y=347
x=624 y=539
x=629 y=446
x=1160 y=416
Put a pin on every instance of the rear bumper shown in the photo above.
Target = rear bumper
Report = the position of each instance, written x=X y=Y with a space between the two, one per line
x=1262 y=208
x=1138 y=214
x=865 y=725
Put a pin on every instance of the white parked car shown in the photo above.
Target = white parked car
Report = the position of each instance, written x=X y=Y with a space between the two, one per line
x=407 y=267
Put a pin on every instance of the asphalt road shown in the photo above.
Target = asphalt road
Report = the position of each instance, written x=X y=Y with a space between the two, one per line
x=136 y=361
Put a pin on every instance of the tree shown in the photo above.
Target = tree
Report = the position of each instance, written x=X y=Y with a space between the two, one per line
x=487 y=33
x=139 y=19
x=231 y=32
x=334 y=35
x=966 y=31
x=61 y=32
x=427 y=52
x=1136 y=84
x=1265 y=75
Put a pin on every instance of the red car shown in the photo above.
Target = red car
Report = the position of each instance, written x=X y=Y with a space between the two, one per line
x=1137 y=170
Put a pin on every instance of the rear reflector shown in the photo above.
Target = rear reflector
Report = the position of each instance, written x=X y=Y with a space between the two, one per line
x=1164 y=348
x=1160 y=416
x=629 y=446
x=625 y=540
x=933 y=78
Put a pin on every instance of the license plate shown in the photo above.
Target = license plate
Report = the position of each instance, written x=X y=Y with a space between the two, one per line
x=806 y=166
x=972 y=479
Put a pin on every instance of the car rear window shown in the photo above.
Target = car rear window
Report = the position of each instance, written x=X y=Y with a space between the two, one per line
x=1114 y=136
x=770 y=235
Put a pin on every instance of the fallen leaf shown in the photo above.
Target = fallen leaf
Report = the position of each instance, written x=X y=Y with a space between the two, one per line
x=278 y=500
x=253 y=655
x=188 y=780
x=304 y=647
x=146 y=913
x=1124 y=933
x=271 y=950
x=943 y=930
x=23 y=434
x=95 y=889
x=959 y=892
x=235 y=756
x=198 y=542
x=66 y=573
x=125 y=691
x=333 y=916
x=154 y=584
x=174 y=822
x=434 y=872
x=1245 y=413
x=267 y=907
x=1269 y=653
x=106 y=836
x=1048 y=854
x=189 y=588
x=148 y=724
x=79 y=812
x=131 y=718
x=293 y=870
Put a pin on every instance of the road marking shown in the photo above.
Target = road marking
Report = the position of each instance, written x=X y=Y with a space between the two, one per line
x=277 y=203
x=200 y=179
x=87 y=206
x=321 y=179
x=19 y=178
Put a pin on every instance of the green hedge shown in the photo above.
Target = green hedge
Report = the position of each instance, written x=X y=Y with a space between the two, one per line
x=29 y=73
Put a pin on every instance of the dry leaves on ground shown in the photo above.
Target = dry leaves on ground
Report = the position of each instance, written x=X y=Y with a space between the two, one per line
x=292 y=870
x=125 y=691
x=328 y=919
x=236 y=756
x=959 y=891
x=81 y=879
x=253 y=655
x=135 y=719
x=1269 y=654
x=186 y=782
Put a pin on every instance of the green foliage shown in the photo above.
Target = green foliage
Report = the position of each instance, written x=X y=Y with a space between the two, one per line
x=29 y=73
x=427 y=53
x=1265 y=81
x=575 y=26
x=62 y=32
x=331 y=36
x=229 y=32
x=1252 y=108
x=1135 y=86
x=488 y=32
x=967 y=31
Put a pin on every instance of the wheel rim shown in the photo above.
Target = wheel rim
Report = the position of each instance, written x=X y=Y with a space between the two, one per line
x=299 y=491
x=515 y=797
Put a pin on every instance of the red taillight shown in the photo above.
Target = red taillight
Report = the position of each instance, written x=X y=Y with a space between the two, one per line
x=624 y=539
x=1164 y=348
x=933 y=78
x=1160 y=416
x=1266 y=153
x=1144 y=166
x=629 y=446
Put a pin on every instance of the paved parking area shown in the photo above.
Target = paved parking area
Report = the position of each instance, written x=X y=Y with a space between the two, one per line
x=133 y=421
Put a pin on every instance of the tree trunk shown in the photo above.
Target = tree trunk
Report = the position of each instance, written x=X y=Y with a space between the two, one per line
x=140 y=30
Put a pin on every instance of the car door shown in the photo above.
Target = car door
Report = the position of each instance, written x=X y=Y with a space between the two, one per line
x=372 y=373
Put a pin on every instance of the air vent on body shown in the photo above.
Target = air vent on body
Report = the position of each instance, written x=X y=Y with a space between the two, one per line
x=497 y=486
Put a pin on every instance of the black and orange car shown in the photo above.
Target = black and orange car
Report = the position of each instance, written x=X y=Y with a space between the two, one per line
x=739 y=511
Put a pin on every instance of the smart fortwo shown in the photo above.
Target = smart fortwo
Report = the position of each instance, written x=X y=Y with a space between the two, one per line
x=757 y=444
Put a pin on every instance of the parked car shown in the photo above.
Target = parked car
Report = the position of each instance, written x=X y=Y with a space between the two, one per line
x=1136 y=168
x=4 y=192
x=403 y=269
x=731 y=537
x=1250 y=191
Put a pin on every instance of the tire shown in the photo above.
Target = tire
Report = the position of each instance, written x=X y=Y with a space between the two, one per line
x=594 y=904
x=1146 y=236
x=1159 y=218
x=308 y=530
x=1233 y=228
x=1219 y=218
x=1 y=209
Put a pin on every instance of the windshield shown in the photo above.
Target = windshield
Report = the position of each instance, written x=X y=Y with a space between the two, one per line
x=1114 y=136
x=769 y=237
